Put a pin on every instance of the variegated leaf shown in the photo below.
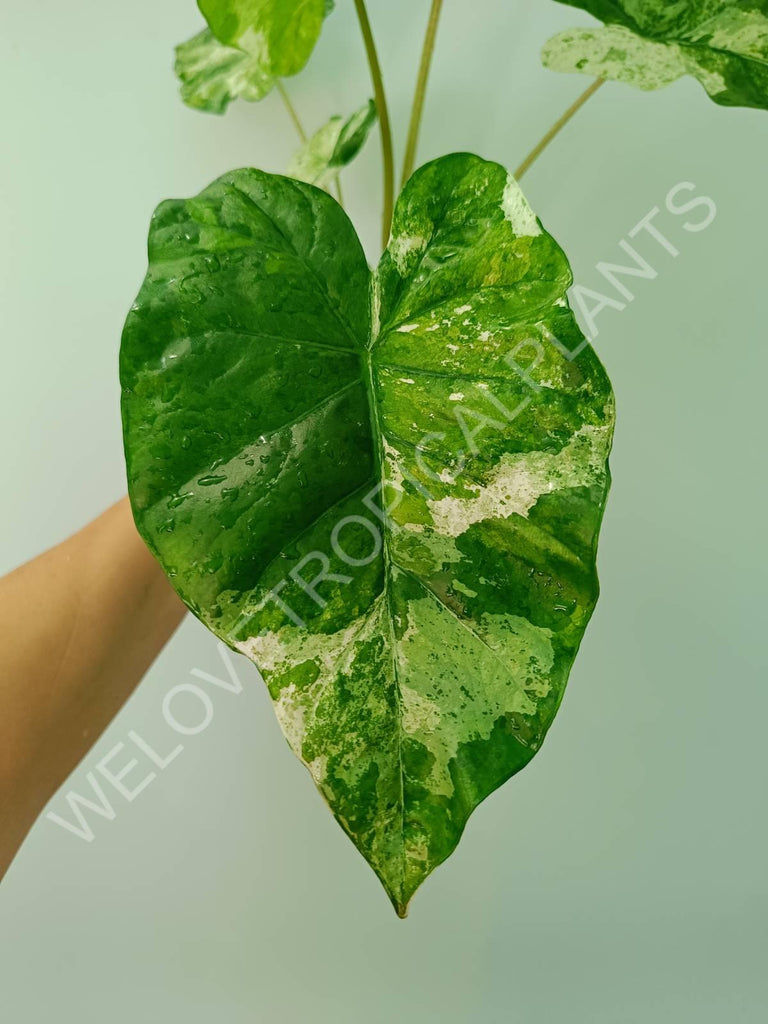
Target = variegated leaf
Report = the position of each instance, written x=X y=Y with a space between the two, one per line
x=333 y=146
x=212 y=75
x=385 y=488
x=279 y=34
x=254 y=43
x=650 y=43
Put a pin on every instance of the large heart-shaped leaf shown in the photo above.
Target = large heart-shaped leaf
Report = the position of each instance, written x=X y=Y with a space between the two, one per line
x=280 y=34
x=212 y=75
x=333 y=146
x=650 y=43
x=385 y=489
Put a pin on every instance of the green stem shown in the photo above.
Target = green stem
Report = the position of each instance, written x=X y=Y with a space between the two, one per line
x=557 y=127
x=421 y=89
x=339 y=193
x=384 y=126
x=291 y=111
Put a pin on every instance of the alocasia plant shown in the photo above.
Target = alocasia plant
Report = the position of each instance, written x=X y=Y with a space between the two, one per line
x=385 y=486
x=276 y=394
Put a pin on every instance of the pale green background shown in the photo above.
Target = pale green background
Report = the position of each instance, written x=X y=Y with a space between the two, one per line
x=621 y=878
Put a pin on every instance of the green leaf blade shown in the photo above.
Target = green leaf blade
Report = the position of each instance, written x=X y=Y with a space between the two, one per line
x=332 y=147
x=650 y=44
x=279 y=34
x=415 y=658
x=228 y=308
x=354 y=134
x=213 y=75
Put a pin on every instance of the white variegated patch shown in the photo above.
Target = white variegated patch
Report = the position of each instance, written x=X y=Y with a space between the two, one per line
x=401 y=247
x=617 y=53
x=518 y=481
x=478 y=674
x=517 y=211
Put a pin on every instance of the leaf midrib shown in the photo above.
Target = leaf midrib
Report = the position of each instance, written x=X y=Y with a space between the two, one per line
x=377 y=437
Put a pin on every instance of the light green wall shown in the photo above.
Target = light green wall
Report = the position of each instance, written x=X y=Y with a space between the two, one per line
x=621 y=878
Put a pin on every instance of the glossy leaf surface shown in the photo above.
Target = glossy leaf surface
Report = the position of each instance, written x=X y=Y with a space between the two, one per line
x=650 y=43
x=333 y=146
x=212 y=75
x=384 y=488
x=279 y=34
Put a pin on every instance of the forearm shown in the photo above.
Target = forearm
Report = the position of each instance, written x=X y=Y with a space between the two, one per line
x=79 y=627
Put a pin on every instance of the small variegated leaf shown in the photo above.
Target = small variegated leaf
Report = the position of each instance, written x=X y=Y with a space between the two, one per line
x=385 y=488
x=650 y=43
x=212 y=75
x=280 y=34
x=332 y=147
